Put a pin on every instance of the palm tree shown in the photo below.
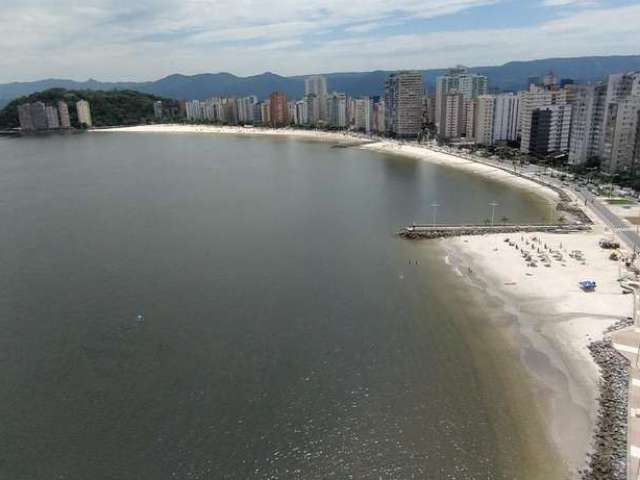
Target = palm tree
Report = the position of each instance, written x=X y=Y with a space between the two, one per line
x=504 y=219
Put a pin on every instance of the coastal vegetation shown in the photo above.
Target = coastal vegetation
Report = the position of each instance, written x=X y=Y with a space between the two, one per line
x=108 y=108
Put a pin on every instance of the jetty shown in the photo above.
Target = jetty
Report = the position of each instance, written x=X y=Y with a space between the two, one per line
x=417 y=232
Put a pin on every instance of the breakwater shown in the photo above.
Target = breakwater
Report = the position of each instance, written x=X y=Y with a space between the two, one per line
x=608 y=460
x=417 y=232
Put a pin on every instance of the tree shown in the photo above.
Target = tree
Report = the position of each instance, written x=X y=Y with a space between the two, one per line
x=504 y=219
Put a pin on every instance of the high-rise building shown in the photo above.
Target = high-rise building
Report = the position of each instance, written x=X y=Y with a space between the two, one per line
x=24 y=117
x=363 y=111
x=620 y=125
x=378 y=123
x=245 y=107
x=265 y=112
x=337 y=110
x=279 y=111
x=317 y=85
x=63 y=112
x=483 y=119
x=587 y=123
x=39 y=116
x=430 y=107
x=301 y=112
x=550 y=127
x=84 y=113
x=540 y=98
x=452 y=115
x=157 y=109
x=506 y=117
x=404 y=92
x=52 y=117
x=313 y=109
x=458 y=79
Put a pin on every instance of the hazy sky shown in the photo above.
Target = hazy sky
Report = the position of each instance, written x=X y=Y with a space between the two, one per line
x=147 y=39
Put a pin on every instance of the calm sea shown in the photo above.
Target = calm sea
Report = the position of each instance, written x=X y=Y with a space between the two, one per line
x=217 y=307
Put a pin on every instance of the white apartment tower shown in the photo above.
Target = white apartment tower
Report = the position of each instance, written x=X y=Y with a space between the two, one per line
x=483 y=119
x=84 y=113
x=452 y=115
x=363 y=114
x=63 y=111
x=317 y=85
x=618 y=151
x=587 y=123
x=506 y=117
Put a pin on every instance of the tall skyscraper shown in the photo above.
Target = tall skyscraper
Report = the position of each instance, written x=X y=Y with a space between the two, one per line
x=363 y=114
x=52 y=117
x=483 y=119
x=378 y=117
x=317 y=85
x=452 y=115
x=620 y=125
x=458 y=79
x=24 y=117
x=39 y=116
x=337 y=110
x=157 y=109
x=537 y=98
x=404 y=107
x=506 y=117
x=586 y=124
x=550 y=128
x=279 y=111
x=84 y=113
x=63 y=112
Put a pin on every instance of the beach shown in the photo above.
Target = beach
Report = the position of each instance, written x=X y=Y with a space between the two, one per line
x=554 y=321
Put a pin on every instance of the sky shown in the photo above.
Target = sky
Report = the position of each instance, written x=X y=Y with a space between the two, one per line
x=136 y=40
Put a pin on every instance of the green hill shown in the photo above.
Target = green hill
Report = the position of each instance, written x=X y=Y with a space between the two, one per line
x=108 y=108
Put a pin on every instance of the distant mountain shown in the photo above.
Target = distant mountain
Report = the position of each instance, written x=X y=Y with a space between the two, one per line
x=510 y=76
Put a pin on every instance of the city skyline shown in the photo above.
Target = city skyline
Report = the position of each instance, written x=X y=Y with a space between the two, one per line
x=46 y=39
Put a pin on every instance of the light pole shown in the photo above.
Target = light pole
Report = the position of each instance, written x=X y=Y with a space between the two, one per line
x=435 y=206
x=493 y=206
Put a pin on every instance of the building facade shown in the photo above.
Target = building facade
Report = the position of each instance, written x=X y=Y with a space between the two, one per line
x=317 y=85
x=460 y=81
x=484 y=119
x=404 y=92
x=84 y=113
x=586 y=124
x=63 y=112
x=278 y=110
x=506 y=118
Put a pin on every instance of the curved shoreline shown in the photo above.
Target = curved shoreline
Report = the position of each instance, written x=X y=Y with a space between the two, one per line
x=377 y=144
x=553 y=328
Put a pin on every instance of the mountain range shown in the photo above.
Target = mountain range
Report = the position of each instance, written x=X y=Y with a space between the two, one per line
x=507 y=77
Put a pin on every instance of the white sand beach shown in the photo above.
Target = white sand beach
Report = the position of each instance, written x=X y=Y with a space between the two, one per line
x=554 y=319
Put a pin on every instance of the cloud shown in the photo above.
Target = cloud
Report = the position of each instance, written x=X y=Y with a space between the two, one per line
x=146 y=39
x=564 y=3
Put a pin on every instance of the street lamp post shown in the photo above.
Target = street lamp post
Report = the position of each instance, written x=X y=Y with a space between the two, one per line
x=493 y=206
x=435 y=206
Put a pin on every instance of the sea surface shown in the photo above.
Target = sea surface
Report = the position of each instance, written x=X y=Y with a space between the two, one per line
x=197 y=306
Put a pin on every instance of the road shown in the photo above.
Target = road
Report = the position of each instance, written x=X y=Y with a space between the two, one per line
x=628 y=234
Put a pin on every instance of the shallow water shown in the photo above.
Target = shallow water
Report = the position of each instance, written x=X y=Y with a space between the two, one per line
x=287 y=333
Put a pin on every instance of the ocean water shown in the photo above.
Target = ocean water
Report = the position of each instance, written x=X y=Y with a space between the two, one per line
x=217 y=307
